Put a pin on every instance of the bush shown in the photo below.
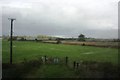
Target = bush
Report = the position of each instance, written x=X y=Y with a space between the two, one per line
x=58 y=41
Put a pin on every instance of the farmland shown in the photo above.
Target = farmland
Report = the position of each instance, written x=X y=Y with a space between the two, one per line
x=32 y=50
x=26 y=50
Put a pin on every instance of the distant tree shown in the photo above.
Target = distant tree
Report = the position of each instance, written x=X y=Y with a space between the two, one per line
x=22 y=39
x=50 y=38
x=81 y=37
x=58 y=41
x=36 y=39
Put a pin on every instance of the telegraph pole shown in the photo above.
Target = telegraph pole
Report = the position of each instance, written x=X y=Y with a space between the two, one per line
x=11 y=38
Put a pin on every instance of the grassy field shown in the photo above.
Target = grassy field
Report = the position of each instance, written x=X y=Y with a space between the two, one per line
x=33 y=50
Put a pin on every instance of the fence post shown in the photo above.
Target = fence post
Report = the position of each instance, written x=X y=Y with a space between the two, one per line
x=45 y=59
x=66 y=60
x=77 y=65
x=74 y=64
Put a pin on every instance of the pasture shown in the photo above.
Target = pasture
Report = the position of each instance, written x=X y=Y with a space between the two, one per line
x=26 y=50
x=33 y=50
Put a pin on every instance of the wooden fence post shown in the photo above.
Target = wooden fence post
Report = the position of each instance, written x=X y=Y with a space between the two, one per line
x=66 y=60
x=77 y=65
x=74 y=64
x=45 y=59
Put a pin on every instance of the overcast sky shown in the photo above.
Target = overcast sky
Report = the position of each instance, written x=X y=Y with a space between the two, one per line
x=66 y=18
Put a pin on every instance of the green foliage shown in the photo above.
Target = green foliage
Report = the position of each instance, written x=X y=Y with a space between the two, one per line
x=26 y=57
x=58 y=41
x=34 y=69
x=81 y=37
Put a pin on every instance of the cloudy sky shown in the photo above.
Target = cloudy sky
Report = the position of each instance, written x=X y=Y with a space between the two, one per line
x=66 y=18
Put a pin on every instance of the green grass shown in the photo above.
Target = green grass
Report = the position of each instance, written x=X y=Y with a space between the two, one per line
x=51 y=71
x=33 y=50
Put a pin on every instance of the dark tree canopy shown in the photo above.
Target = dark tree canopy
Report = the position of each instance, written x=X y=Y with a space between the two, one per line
x=81 y=37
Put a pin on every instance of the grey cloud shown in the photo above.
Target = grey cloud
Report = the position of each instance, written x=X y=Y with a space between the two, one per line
x=68 y=18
